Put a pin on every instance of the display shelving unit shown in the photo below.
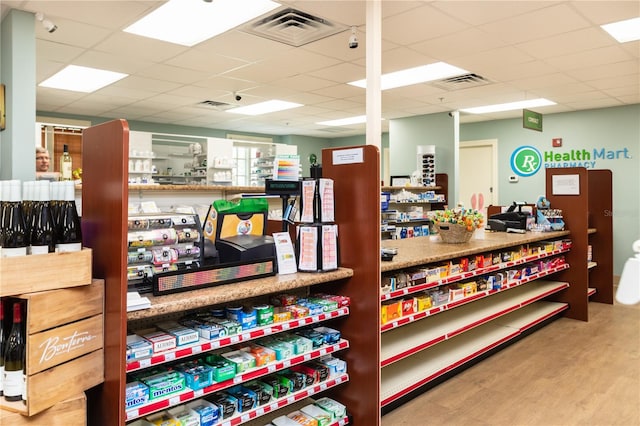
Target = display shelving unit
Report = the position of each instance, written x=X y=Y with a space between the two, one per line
x=105 y=207
x=421 y=349
x=390 y=220
x=588 y=215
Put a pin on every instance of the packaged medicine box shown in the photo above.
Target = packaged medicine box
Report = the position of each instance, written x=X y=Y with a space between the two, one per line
x=71 y=315
x=49 y=271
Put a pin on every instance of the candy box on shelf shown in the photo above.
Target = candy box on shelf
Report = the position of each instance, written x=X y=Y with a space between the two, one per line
x=247 y=398
x=223 y=369
x=208 y=413
x=322 y=416
x=161 y=341
x=423 y=301
x=331 y=336
x=246 y=316
x=185 y=415
x=317 y=339
x=386 y=284
x=136 y=393
x=262 y=390
x=301 y=418
x=338 y=410
x=138 y=347
x=242 y=360
x=409 y=306
x=299 y=343
x=197 y=375
x=227 y=404
x=33 y=273
x=64 y=336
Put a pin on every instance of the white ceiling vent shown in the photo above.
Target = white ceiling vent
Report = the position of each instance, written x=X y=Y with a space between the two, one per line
x=460 y=82
x=293 y=27
x=215 y=105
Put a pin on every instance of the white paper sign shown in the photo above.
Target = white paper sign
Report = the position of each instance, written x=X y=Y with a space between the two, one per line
x=348 y=156
x=284 y=253
x=565 y=184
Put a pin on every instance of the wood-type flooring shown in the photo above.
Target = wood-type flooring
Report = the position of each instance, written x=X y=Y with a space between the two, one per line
x=567 y=373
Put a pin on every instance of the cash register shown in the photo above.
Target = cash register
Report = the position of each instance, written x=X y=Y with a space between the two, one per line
x=509 y=221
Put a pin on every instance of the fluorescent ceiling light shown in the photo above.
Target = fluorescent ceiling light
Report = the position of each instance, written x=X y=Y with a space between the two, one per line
x=264 y=107
x=345 y=121
x=188 y=22
x=421 y=74
x=531 y=103
x=82 y=79
x=624 y=31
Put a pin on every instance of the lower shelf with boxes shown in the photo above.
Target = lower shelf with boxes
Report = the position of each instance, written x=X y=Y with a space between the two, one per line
x=435 y=288
x=234 y=363
x=451 y=305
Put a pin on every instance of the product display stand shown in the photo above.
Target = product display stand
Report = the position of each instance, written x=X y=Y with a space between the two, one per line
x=104 y=219
x=357 y=210
x=585 y=198
x=422 y=347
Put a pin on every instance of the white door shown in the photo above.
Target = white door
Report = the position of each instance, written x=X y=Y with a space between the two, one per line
x=478 y=174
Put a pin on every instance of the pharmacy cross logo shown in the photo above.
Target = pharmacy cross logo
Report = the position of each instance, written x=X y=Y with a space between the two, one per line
x=526 y=161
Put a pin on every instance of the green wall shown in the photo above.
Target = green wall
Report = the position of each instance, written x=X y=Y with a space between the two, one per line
x=433 y=129
x=613 y=129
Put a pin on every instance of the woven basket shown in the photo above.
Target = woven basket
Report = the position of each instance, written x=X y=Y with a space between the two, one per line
x=453 y=233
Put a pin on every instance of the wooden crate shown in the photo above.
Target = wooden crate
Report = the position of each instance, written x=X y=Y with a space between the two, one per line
x=65 y=337
x=33 y=273
x=70 y=412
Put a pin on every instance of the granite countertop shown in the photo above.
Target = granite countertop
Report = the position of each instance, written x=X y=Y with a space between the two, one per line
x=185 y=301
x=222 y=188
x=422 y=250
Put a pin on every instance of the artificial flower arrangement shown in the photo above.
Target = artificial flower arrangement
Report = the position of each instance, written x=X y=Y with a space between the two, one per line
x=471 y=219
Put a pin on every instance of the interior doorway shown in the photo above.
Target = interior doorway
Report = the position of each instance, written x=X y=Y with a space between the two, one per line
x=479 y=174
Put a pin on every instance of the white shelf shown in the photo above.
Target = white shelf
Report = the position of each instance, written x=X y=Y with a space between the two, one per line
x=204 y=345
x=470 y=274
x=268 y=417
x=406 y=341
x=418 y=316
x=401 y=378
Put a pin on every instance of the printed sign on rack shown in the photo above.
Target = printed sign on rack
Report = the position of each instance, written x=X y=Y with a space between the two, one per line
x=284 y=253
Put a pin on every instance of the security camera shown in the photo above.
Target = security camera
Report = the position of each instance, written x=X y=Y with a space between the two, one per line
x=353 y=40
x=49 y=26
x=238 y=97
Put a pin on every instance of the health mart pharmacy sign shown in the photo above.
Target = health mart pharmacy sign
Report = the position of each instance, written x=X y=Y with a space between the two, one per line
x=527 y=160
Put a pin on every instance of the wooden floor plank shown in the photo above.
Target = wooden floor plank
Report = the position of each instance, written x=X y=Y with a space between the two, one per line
x=567 y=373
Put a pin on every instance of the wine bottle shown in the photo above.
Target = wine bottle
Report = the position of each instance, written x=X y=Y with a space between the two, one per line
x=1 y=346
x=69 y=229
x=14 y=242
x=14 y=358
x=28 y=205
x=43 y=233
x=66 y=164
x=3 y=204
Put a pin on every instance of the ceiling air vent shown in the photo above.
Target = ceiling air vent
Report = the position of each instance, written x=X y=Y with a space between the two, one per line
x=215 y=105
x=463 y=81
x=293 y=27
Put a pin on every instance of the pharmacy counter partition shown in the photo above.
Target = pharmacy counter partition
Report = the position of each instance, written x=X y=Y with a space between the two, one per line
x=445 y=306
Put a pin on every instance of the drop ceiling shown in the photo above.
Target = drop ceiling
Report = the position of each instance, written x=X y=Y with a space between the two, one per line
x=519 y=49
